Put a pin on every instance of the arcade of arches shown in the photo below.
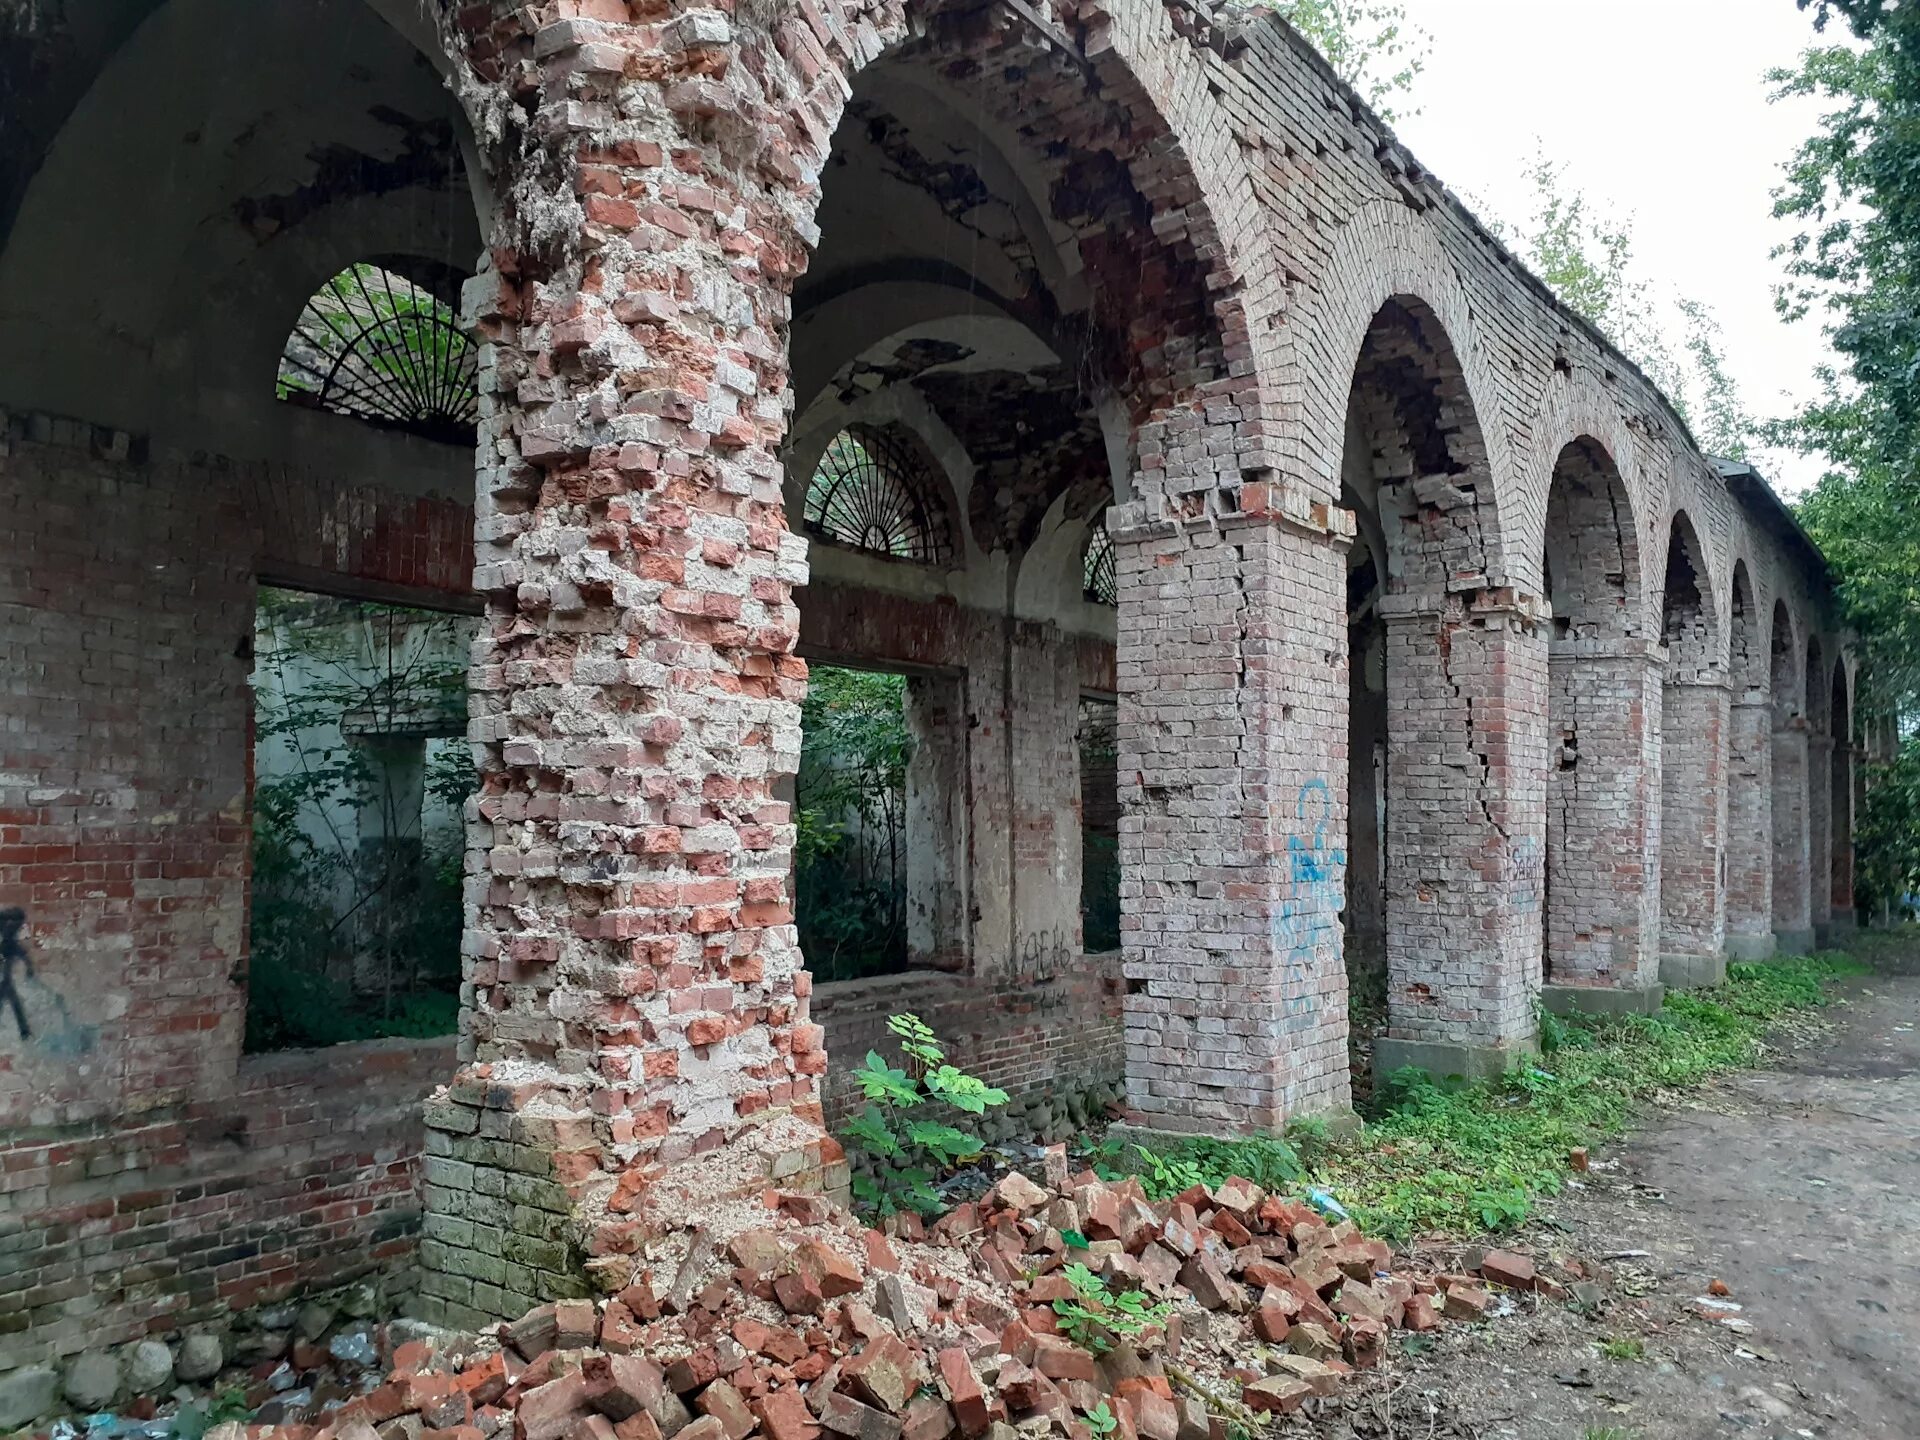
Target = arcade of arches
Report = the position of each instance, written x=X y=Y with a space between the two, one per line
x=1244 y=522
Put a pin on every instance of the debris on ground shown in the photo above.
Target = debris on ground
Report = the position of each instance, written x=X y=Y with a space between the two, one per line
x=1078 y=1308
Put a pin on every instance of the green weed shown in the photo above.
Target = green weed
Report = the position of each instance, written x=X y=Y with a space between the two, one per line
x=1464 y=1161
x=1623 y=1347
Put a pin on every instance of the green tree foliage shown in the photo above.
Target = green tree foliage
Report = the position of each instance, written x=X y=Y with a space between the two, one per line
x=904 y=1138
x=1585 y=256
x=330 y=912
x=1887 y=836
x=850 y=849
x=1370 y=44
x=1852 y=190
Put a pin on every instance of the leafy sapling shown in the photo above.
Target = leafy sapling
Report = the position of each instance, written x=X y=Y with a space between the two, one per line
x=908 y=1151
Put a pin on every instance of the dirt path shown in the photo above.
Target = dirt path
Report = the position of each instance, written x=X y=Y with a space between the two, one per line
x=1798 y=1187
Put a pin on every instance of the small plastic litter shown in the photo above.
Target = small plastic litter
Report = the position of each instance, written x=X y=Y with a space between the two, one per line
x=1326 y=1204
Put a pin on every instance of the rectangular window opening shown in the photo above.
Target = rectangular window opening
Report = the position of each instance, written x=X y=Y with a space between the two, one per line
x=1099 y=825
x=880 y=863
x=361 y=772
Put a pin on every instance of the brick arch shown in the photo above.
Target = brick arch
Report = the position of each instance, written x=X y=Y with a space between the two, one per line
x=1746 y=639
x=1384 y=253
x=1818 y=685
x=1784 y=671
x=1689 y=614
x=1180 y=159
x=1579 y=409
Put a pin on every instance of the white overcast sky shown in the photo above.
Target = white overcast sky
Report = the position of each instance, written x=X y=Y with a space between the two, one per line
x=1660 y=112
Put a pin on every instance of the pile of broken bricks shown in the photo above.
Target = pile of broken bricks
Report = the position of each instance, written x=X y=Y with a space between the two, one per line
x=787 y=1319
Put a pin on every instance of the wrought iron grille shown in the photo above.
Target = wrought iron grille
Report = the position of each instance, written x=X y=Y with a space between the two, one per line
x=873 y=490
x=376 y=346
x=1097 y=574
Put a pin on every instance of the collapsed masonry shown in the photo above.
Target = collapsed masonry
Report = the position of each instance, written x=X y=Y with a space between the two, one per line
x=1030 y=351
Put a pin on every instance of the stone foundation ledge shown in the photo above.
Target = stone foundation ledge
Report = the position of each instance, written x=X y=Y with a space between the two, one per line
x=1451 y=1063
x=1693 y=972
x=1602 y=999
x=1748 y=948
x=1794 y=942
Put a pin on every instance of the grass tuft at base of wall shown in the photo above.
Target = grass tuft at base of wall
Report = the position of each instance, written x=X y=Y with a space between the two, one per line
x=1460 y=1162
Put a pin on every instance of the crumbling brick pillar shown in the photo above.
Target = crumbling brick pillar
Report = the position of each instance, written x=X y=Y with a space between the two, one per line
x=1693 y=820
x=1603 y=826
x=1466 y=829
x=1820 y=758
x=1749 y=844
x=1232 y=741
x=1792 y=919
x=634 y=996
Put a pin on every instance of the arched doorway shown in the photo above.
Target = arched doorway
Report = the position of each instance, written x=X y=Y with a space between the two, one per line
x=1602 y=892
x=1749 y=780
x=1792 y=922
x=1693 y=758
x=1819 y=696
x=1442 y=880
x=1846 y=760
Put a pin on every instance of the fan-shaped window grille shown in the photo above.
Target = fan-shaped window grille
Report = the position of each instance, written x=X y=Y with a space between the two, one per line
x=874 y=490
x=374 y=345
x=1097 y=574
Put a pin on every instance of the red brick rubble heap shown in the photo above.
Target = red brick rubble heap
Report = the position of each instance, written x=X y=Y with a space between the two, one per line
x=785 y=1318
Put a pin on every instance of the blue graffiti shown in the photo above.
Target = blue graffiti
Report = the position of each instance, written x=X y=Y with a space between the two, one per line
x=1305 y=924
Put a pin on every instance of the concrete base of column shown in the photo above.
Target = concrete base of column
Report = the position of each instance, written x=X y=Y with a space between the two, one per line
x=1450 y=1064
x=1602 y=999
x=1751 y=947
x=1835 y=932
x=1692 y=972
x=1793 y=942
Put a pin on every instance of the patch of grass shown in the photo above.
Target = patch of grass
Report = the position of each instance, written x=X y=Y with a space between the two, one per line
x=1623 y=1347
x=1462 y=1161
x=1606 y=1432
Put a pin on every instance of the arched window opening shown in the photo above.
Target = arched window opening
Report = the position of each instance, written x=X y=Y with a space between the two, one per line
x=874 y=490
x=377 y=346
x=1098 y=577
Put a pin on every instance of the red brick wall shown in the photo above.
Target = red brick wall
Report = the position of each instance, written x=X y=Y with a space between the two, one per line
x=147 y=1171
x=302 y=1176
x=1061 y=1030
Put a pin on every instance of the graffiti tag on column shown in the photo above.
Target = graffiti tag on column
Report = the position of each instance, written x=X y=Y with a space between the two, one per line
x=1043 y=955
x=13 y=954
x=1528 y=873
x=1304 y=920
x=58 y=1034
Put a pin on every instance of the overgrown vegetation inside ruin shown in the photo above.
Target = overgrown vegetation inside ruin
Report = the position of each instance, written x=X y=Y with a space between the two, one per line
x=850 y=849
x=1480 y=1158
x=355 y=915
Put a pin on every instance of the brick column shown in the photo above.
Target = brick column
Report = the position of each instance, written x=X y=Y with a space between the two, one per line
x=1693 y=822
x=1820 y=761
x=1603 y=827
x=1850 y=782
x=633 y=993
x=1750 y=828
x=1792 y=923
x=1466 y=830
x=1232 y=739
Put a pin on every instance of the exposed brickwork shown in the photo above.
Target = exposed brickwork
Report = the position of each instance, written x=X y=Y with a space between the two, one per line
x=152 y=1175
x=299 y=1173
x=1694 y=724
x=1581 y=763
x=1792 y=910
x=1749 y=905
